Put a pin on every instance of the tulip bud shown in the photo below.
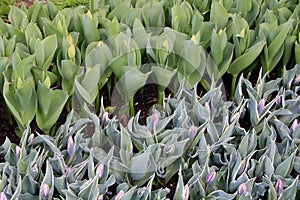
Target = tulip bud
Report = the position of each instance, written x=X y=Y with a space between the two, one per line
x=206 y=106
x=105 y=117
x=120 y=195
x=279 y=187
x=68 y=169
x=70 y=146
x=192 y=131
x=166 y=44
x=261 y=106
x=155 y=119
x=194 y=39
x=186 y=192
x=297 y=79
x=69 y=39
x=169 y=148
x=3 y=196
x=294 y=126
x=100 y=43
x=30 y=138
x=18 y=150
x=100 y=170
x=44 y=191
x=211 y=177
x=101 y=197
x=72 y=51
x=278 y=100
x=89 y=14
x=242 y=189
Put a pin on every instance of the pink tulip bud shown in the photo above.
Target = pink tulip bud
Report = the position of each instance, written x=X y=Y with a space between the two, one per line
x=155 y=118
x=278 y=100
x=297 y=79
x=206 y=106
x=192 y=131
x=100 y=170
x=186 y=192
x=68 y=169
x=44 y=191
x=3 y=196
x=30 y=138
x=18 y=150
x=169 y=148
x=279 y=187
x=242 y=189
x=211 y=177
x=294 y=126
x=105 y=117
x=101 y=197
x=120 y=195
x=261 y=106
x=70 y=146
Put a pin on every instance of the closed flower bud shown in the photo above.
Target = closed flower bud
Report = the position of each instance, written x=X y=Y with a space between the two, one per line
x=297 y=79
x=69 y=39
x=105 y=117
x=278 y=100
x=18 y=150
x=242 y=189
x=154 y=119
x=100 y=197
x=192 y=131
x=206 y=106
x=70 y=146
x=294 y=126
x=169 y=149
x=186 y=192
x=120 y=195
x=261 y=106
x=30 y=138
x=100 y=170
x=72 y=51
x=3 y=196
x=211 y=177
x=279 y=187
x=68 y=169
x=44 y=191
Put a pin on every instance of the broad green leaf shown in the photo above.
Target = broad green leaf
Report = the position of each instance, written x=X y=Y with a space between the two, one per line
x=245 y=60
x=218 y=15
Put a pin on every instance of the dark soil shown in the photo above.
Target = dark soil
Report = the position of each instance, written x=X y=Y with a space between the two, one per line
x=7 y=128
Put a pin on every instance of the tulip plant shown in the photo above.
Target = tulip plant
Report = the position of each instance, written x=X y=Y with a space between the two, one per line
x=200 y=141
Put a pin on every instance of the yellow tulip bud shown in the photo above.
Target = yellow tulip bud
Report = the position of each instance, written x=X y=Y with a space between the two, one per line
x=72 y=51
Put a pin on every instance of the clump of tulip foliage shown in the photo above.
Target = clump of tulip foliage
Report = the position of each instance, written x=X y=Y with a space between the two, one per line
x=209 y=147
x=200 y=142
x=53 y=59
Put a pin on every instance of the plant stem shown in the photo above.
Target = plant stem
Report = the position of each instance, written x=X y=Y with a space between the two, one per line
x=233 y=82
x=97 y=103
x=68 y=105
x=131 y=106
x=204 y=84
x=160 y=95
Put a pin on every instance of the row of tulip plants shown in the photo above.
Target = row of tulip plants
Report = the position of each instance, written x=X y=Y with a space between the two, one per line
x=49 y=56
x=199 y=140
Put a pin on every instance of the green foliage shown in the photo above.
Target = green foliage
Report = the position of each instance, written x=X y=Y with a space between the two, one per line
x=199 y=140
